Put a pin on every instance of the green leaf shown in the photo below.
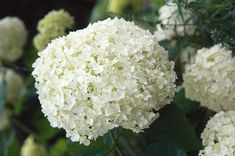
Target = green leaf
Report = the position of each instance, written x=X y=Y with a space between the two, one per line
x=14 y=148
x=59 y=148
x=183 y=103
x=3 y=86
x=180 y=10
x=30 y=92
x=43 y=129
x=99 y=12
x=30 y=56
x=197 y=5
x=160 y=149
x=173 y=128
x=156 y=4
x=96 y=148
x=107 y=140
x=219 y=6
x=6 y=140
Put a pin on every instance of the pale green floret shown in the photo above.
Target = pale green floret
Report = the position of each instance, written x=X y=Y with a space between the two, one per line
x=118 y=6
x=30 y=147
x=53 y=25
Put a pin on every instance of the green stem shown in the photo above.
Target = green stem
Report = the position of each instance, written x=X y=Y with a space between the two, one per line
x=23 y=127
x=110 y=151
x=120 y=153
x=17 y=68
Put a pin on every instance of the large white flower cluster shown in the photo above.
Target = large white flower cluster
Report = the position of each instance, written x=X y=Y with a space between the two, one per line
x=219 y=135
x=172 y=23
x=210 y=80
x=110 y=74
x=13 y=36
x=14 y=84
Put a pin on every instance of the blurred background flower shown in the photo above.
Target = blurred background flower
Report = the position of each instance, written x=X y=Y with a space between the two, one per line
x=30 y=147
x=13 y=34
x=53 y=25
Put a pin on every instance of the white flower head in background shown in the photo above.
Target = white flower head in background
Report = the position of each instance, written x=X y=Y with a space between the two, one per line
x=51 y=26
x=110 y=74
x=13 y=35
x=14 y=84
x=172 y=23
x=4 y=119
x=210 y=80
x=31 y=148
x=219 y=135
x=187 y=55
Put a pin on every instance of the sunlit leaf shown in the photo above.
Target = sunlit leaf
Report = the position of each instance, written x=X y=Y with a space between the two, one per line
x=99 y=12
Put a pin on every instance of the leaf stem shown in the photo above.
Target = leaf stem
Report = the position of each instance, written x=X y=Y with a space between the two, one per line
x=120 y=153
x=23 y=127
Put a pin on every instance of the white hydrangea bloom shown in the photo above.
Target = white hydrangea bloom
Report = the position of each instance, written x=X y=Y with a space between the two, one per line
x=210 y=80
x=14 y=84
x=31 y=148
x=171 y=23
x=110 y=74
x=219 y=135
x=13 y=36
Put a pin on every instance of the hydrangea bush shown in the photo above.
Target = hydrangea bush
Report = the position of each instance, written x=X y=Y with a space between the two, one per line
x=135 y=77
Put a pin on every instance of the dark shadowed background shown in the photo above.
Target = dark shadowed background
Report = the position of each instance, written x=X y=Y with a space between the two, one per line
x=30 y=11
